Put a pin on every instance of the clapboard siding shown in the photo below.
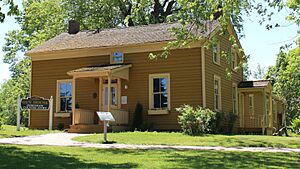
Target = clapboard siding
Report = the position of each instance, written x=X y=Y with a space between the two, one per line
x=185 y=83
x=253 y=121
x=212 y=69
x=185 y=78
x=44 y=79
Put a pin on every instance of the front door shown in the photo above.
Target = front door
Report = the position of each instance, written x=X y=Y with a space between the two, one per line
x=114 y=95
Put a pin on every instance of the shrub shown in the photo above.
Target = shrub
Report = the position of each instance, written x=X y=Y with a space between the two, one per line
x=195 y=121
x=295 y=125
x=224 y=123
x=61 y=126
x=137 y=116
x=146 y=126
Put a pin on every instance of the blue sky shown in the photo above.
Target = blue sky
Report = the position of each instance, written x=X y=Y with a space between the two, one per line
x=262 y=45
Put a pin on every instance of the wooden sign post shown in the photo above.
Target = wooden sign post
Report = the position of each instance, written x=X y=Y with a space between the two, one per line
x=106 y=117
x=35 y=103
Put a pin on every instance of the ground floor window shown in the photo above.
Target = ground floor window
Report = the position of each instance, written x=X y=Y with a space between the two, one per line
x=64 y=95
x=159 y=91
x=217 y=93
x=234 y=98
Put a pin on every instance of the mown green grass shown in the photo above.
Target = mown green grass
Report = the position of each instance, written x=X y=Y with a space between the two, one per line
x=11 y=131
x=74 y=157
x=164 y=138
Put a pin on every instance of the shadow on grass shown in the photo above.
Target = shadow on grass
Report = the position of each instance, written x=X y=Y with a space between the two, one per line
x=14 y=157
x=221 y=159
x=108 y=142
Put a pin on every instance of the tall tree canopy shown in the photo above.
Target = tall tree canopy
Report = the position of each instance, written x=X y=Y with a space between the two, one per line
x=12 y=9
x=286 y=80
x=41 y=20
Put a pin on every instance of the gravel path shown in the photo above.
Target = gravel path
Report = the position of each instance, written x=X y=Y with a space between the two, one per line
x=65 y=139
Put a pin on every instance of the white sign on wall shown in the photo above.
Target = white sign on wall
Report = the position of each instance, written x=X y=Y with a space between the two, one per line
x=124 y=100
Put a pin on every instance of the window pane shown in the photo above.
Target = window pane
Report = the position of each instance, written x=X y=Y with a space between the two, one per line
x=106 y=96
x=63 y=104
x=69 y=104
x=156 y=85
x=164 y=100
x=68 y=89
x=118 y=57
x=156 y=100
x=113 y=98
x=217 y=101
x=163 y=84
x=62 y=89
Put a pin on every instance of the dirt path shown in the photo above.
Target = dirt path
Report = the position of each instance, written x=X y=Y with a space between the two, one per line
x=65 y=139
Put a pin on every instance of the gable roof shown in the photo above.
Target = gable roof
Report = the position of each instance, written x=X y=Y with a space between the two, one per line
x=254 y=84
x=115 y=37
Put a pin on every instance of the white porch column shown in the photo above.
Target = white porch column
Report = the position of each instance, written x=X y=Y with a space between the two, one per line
x=119 y=93
x=271 y=110
x=73 y=99
x=109 y=93
x=100 y=93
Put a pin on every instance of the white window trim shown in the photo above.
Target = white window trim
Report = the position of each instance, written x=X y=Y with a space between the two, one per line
x=251 y=97
x=234 y=54
x=151 y=109
x=218 y=62
x=219 y=92
x=58 y=94
x=115 y=85
x=112 y=58
x=234 y=85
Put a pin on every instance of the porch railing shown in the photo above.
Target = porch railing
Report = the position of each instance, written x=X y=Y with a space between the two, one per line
x=121 y=116
x=84 y=116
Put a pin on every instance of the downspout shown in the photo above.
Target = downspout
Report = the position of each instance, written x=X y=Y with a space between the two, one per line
x=203 y=76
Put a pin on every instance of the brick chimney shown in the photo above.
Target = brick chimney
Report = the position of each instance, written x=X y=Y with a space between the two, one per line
x=74 y=27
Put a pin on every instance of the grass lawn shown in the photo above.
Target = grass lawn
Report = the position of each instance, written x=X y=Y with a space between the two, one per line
x=165 y=138
x=11 y=131
x=74 y=157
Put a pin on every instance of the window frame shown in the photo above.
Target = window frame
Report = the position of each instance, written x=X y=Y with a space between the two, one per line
x=58 y=94
x=151 y=93
x=235 y=106
x=218 y=78
x=251 y=98
x=234 y=59
x=112 y=57
x=218 y=55
x=113 y=85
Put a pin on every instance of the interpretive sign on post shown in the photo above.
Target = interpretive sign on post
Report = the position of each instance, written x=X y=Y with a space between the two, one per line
x=106 y=117
x=35 y=103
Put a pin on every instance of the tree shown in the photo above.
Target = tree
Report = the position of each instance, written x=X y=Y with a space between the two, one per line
x=12 y=9
x=259 y=72
x=286 y=78
x=41 y=20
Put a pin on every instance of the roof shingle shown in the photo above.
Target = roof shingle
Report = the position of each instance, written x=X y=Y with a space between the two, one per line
x=254 y=84
x=114 y=37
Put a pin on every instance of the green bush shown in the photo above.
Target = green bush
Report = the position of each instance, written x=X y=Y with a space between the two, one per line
x=137 y=117
x=61 y=126
x=224 y=123
x=195 y=121
x=295 y=125
x=146 y=126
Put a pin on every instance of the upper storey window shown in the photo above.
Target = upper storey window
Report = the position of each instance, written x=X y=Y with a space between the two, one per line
x=216 y=53
x=117 y=57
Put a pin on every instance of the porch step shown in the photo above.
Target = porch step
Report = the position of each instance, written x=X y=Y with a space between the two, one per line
x=86 y=128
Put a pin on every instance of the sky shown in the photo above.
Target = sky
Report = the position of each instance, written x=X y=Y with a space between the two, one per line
x=261 y=44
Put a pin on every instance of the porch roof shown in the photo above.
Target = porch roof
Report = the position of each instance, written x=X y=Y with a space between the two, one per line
x=115 y=70
x=254 y=84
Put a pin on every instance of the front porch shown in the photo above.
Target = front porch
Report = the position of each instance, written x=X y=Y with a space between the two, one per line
x=94 y=82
